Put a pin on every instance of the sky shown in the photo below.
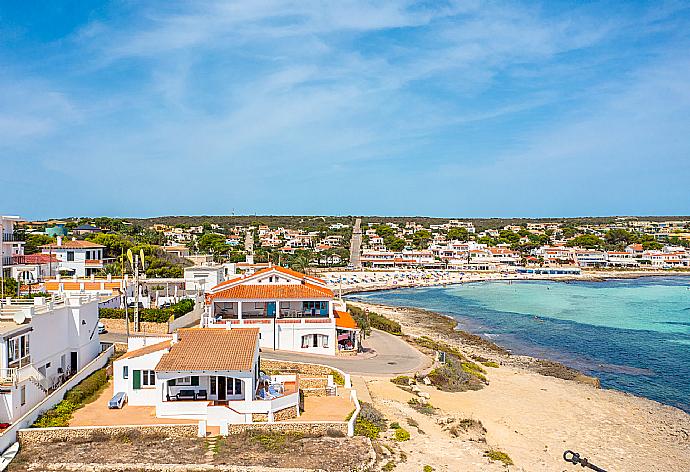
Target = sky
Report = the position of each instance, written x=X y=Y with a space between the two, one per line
x=457 y=109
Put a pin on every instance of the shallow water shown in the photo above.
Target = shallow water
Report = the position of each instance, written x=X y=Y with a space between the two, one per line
x=633 y=334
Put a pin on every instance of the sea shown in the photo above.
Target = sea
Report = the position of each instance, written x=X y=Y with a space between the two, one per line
x=633 y=334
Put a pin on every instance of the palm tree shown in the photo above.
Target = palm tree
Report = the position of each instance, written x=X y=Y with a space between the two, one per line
x=301 y=261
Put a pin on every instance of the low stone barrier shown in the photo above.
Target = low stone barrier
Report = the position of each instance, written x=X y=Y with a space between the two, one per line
x=286 y=366
x=119 y=326
x=85 y=433
x=312 y=428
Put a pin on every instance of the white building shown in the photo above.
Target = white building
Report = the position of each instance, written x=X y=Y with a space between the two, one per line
x=42 y=343
x=206 y=374
x=293 y=311
x=80 y=258
x=10 y=243
x=202 y=278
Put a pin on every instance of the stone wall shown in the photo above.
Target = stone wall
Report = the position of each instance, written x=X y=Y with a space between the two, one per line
x=312 y=370
x=43 y=435
x=285 y=414
x=315 y=428
x=119 y=326
x=313 y=382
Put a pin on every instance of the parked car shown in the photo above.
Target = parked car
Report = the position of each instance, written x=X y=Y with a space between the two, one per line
x=118 y=400
x=101 y=328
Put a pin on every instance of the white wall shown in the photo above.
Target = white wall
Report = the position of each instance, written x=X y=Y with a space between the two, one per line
x=145 y=396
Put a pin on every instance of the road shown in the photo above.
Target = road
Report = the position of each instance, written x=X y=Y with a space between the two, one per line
x=356 y=244
x=392 y=356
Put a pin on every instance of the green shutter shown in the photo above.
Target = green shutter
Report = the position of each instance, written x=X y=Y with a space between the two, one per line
x=136 y=379
x=195 y=381
x=171 y=382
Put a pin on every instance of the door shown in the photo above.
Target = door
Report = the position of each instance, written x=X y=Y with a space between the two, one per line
x=74 y=361
x=271 y=309
x=222 y=388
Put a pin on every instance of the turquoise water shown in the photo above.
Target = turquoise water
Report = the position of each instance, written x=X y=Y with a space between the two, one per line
x=633 y=334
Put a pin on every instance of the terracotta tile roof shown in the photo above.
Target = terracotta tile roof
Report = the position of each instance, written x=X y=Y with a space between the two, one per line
x=275 y=292
x=73 y=244
x=211 y=349
x=287 y=271
x=344 y=320
x=146 y=350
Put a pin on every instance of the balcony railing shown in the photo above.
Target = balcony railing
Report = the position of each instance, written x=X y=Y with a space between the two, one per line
x=12 y=237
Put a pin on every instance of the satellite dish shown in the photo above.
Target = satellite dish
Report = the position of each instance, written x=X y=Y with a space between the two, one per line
x=19 y=317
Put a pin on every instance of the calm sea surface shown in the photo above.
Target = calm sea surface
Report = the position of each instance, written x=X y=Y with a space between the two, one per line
x=633 y=334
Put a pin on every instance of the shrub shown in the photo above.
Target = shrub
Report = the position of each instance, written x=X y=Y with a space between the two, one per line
x=369 y=320
x=370 y=422
x=491 y=364
x=153 y=315
x=424 y=408
x=84 y=392
x=428 y=468
x=390 y=465
x=338 y=378
x=402 y=380
x=401 y=434
x=498 y=456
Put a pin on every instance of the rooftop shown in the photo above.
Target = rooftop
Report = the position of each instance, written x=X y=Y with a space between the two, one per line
x=211 y=349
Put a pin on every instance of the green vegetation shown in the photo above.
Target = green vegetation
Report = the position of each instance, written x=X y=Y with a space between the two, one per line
x=274 y=440
x=390 y=465
x=154 y=315
x=458 y=374
x=491 y=364
x=403 y=380
x=368 y=320
x=424 y=408
x=428 y=468
x=498 y=456
x=82 y=394
x=338 y=378
x=370 y=422
x=10 y=287
x=401 y=434
x=33 y=242
x=588 y=241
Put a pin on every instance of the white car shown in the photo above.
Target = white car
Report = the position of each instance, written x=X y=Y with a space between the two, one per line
x=101 y=328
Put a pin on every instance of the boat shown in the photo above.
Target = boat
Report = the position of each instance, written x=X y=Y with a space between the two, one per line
x=8 y=455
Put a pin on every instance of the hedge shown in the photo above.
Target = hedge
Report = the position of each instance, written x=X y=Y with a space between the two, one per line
x=154 y=315
x=373 y=320
x=85 y=391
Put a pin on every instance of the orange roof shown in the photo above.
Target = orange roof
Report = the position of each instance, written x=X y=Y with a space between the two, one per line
x=266 y=291
x=73 y=244
x=287 y=271
x=146 y=350
x=211 y=349
x=344 y=320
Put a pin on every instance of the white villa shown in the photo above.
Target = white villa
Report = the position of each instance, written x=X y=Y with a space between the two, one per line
x=43 y=342
x=293 y=311
x=10 y=244
x=80 y=258
x=206 y=374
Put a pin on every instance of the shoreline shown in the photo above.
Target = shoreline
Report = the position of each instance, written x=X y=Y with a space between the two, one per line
x=455 y=277
x=531 y=408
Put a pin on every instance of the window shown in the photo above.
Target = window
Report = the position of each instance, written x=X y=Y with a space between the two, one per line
x=70 y=256
x=314 y=340
x=284 y=305
x=148 y=378
x=17 y=348
x=238 y=386
x=48 y=365
x=22 y=396
x=183 y=381
x=259 y=305
x=88 y=255
x=125 y=372
x=213 y=384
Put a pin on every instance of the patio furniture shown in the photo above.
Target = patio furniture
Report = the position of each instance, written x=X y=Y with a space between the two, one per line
x=273 y=390
x=185 y=395
x=201 y=395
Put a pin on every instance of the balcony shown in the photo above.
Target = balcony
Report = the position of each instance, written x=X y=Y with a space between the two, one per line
x=12 y=237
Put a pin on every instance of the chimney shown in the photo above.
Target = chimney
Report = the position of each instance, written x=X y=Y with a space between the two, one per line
x=59 y=240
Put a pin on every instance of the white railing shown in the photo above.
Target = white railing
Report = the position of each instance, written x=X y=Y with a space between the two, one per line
x=8 y=376
x=39 y=305
x=355 y=414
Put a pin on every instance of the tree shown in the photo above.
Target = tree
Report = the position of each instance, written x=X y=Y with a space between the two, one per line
x=420 y=239
x=10 y=286
x=458 y=234
x=302 y=261
x=114 y=243
x=619 y=238
x=33 y=242
x=213 y=243
x=588 y=241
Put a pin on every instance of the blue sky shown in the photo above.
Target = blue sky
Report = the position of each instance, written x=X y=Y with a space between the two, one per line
x=350 y=107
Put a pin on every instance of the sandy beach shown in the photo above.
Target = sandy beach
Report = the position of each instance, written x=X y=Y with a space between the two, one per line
x=531 y=416
x=350 y=281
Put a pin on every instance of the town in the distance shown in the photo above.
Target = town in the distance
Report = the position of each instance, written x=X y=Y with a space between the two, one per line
x=238 y=326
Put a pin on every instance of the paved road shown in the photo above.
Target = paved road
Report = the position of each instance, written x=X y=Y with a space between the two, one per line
x=392 y=356
x=356 y=244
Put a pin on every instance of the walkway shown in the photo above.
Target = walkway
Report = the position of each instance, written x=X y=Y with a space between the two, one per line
x=392 y=356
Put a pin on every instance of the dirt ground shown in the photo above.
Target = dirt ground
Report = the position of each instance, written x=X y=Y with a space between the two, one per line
x=336 y=454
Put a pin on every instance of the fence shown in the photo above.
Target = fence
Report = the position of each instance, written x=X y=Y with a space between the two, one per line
x=10 y=434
